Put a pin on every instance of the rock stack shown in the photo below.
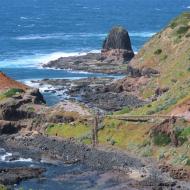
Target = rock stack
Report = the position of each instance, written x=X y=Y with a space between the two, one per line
x=117 y=46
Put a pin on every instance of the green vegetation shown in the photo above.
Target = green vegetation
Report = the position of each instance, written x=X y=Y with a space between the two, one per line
x=124 y=110
x=78 y=131
x=182 y=30
x=183 y=19
x=31 y=109
x=2 y=187
x=9 y=93
x=158 y=52
x=161 y=139
x=13 y=91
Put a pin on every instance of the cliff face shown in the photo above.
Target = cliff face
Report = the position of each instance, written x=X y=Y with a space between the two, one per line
x=7 y=83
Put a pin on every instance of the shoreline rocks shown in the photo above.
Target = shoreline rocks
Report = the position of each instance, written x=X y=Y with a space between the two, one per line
x=115 y=53
x=101 y=93
x=143 y=173
x=11 y=176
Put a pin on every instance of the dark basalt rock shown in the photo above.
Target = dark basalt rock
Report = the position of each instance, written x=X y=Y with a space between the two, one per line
x=136 y=72
x=6 y=127
x=118 y=38
x=10 y=176
x=117 y=46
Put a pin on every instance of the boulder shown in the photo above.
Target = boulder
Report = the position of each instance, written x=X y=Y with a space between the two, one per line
x=7 y=127
x=11 y=176
x=117 y=46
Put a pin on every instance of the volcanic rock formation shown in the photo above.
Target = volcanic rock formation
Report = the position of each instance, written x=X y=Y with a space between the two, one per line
x=117 y=46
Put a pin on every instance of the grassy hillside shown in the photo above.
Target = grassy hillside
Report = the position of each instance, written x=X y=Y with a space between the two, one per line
x=169 y=53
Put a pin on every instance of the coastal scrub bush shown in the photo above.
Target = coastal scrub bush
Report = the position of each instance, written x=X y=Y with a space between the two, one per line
x=13 y=91
x=146 y=151
x=161 y=139
x=187 y=35
x=182 y=159
x=182 y=30
x=158 y=52
x=188 y=69
x=173 y=25
x=2 y=187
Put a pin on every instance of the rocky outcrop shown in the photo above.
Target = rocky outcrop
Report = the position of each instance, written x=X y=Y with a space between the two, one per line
x=138 y=72
x=117 y=46
x=21 y=111
x=102 y=93
x=7 y=127
x=11 y=176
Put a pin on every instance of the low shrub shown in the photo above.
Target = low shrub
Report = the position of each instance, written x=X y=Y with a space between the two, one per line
x=161 y=139
x=13 y=91
x=2 y=187
x=158 y=52
x=146 y=151
x=182 y=30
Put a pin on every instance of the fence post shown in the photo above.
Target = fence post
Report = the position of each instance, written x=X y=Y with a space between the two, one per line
x=95 y=131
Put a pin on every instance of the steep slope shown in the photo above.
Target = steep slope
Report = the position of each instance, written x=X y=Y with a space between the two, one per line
x=7 y=83
x=165 y=63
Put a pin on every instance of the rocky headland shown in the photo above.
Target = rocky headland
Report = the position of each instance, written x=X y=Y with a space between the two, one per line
x=116 y=52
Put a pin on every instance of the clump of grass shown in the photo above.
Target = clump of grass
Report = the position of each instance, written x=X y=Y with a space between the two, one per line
x=77 y=130
x=158 y=51
x=124 y=110
x=161 y=139
x=147 y=151
x=13 y=91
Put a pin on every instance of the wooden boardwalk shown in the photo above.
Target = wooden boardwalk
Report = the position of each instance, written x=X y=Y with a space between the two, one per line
x=144 y=118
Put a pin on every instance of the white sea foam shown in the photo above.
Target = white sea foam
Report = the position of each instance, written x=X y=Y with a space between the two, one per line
x=23 y=160
x=4 y=156
x=73 y=36
x=60 y=36
x=36 y=60
x=23 y=18
x=142 y=34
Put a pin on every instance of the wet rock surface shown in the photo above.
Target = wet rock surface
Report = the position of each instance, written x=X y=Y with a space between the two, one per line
x=100 y=93
x=92 y=62
x=11 y=176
